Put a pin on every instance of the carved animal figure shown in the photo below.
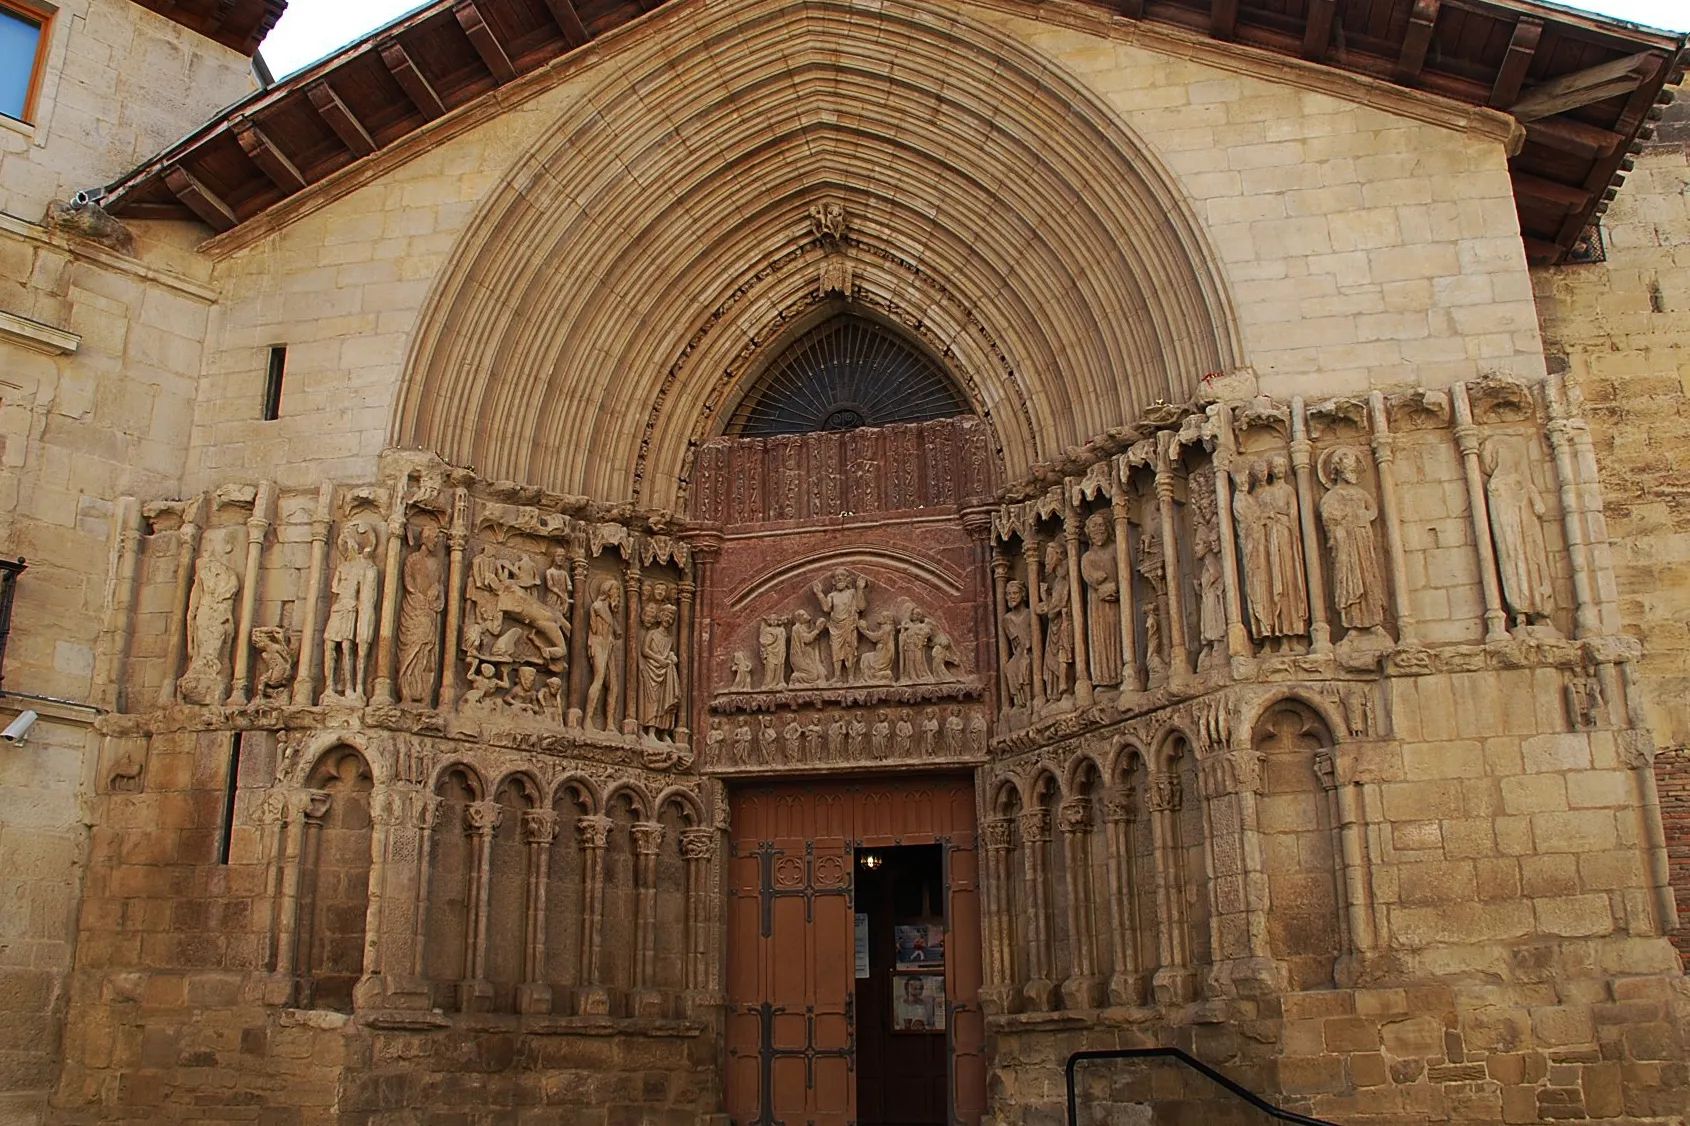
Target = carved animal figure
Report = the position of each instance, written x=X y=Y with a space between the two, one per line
x=275 y=650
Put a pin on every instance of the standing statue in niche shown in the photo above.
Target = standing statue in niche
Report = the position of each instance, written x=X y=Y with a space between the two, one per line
x=1059 y=628
x=419 y=619
x=1348 y=512
x=740 y=666
x=1278 y=502
x=211 y=623
x=1516 y=524
x=1211 y=580
x=1252 y=547
x=1155 y=653
x=876 y=664
x=806 y=659
x=771 y=646
x=913 y=637
x=1018 y=630
x=1102 y=576
x=604 y=631
x=844 y=606
x=560 y=589
x=352 y=615
x=660 y=683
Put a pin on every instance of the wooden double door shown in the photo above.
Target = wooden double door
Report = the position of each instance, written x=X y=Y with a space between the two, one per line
x=793 y=985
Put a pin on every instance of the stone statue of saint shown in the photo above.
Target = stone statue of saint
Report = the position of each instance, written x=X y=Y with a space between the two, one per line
x=1282 y=531
x=740 y=666
x=559 y=587
x=660 y=684
x=1252 y=548
x=768 y=740
x=1102 y=576
x=352 y=614
x=604 y=631
x=742 y=744
x=903 y=737
x=836 y=737
x=880 y=735
x=771 y=645
x=1018 y=631
x=1059 y=628
x=930 y=733
x=419 y=619
x=876 y=664
x=211 y=623
x=806 y=659
x=844 y=605
x=856 y=738
x=1347 y=512
x=946 y=660
x=1516 y=524
x=913 y=637
x=1211 y=579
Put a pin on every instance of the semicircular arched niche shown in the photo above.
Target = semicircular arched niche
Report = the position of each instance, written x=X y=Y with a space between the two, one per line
x=592 y=322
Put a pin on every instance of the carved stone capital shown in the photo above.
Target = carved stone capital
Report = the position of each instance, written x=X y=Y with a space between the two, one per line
x=594 y=830
x=648 y=837
x=1035 y=825
x=539 y=826
x=425 y=810
x=312 y=805
x=698 y=844
x=1000 y=834
x=1326 y=769
x=1120 y=805
x=1074 y=815
x=482 y=817
x=389 y=807
x=1164 y=793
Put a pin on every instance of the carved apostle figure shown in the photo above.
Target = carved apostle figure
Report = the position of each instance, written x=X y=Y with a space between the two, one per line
x=792 y=736
x=903 y=736
x=954 y=732
x=551 y=699
x=523 y=696
x=419 y=619
x=211 y=623
x=856 y=738
x=560 y=588
x=836 y=737
x=1211 y=579
x=1018 y=631
x=930 y=733
x=913 y=637
x=1516 y=524
x=660 y=684
x=876 y=664
x=1283 y=538
x=768 y=740
x=813 y=740
x=808 y=669
x=1252 y=548
x=1059 y=628
x=352 y=615
x=771 y=646
x=880 y=735
x=1102 y=576
x=844 y=605
x=604 y=631
x=742 y=743
x=1347 y=512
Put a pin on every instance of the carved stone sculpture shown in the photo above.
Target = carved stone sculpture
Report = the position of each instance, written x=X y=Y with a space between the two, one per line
x=947 y=662
x=484 y=683
x=1252 y=548
x=771 y=645
x=954 y=732
x=844 y=605
x=1277 y=504
x=1059 y=629
x=1211 y=578
x=875 y=665
x=880 y=734
x=551 y=699
x=807 y=668
x=742 y=744
x=767 y=740
x=419 y=620
x=351 y=624
x=660 y=685
x=275 y=650
x=560 y=588
x=523 y=696
x=604 y=634
x=930 y=726
x=506 y=585
x=1100 y=572
x=1018 y=631
x=1347 y=512
x=903 y=737
x=211 y=624
x=740 y=666
x=914 y=635
x=1516 y=522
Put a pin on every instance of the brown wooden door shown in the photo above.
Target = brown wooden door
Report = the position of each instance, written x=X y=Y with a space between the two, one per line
x=790 y=1009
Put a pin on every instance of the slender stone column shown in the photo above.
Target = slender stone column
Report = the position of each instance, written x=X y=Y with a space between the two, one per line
x=578 y=629
x=1596 y=521
x=1179 y=653
x=1125 y=986
x=593 y=998
x=1390 y=509
x=646 y=1000
x=1467 y=440
x=1030 y=553
x=293 y=955
x=1637 y=751
x=1302 y=464
x=388 y=817
x=1587 y=619
x=481 y=821
x=1039 y=990
x=387 y=632
x=257 y=527
x=1000 y=931
x=683 y=669
x=310 y=637
x=425 y=813
x=1356 y=918
x=706 y=546
x=630 y=703
x=698 y=849
x=1120 y=502
x=175 y=645
x=1172 y=942
x=111 y=665
x=1081 y=989
x=1237 y=637
x=1077 y=608
x=539 y=829
x=1000 y=583
x=457 y=539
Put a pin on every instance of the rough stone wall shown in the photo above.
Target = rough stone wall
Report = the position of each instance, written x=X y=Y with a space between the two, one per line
x=120 y=84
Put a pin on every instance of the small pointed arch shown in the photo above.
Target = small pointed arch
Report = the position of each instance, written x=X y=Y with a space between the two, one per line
x=314 y=747
x=1322 y=708
x=1129 y=755
x=1044 y=787
x=521 y=787
x=464 y=774
x=580 y=789
x=634 y=794
x=1006 y=797
x=1172 y=742
x=684 y=802
x=340 y=764
x=1081 y=772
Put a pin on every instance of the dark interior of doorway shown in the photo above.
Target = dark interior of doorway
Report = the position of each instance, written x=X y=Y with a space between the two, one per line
x=902 y=1074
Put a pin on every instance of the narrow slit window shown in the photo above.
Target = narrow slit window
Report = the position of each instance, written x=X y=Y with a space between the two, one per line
x=273 y=382
x=231 y=788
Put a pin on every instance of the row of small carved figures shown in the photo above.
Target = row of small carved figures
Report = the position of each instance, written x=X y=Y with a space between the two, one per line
x=848 y=737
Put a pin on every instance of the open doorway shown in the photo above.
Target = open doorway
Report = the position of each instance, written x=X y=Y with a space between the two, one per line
x=901 y=1011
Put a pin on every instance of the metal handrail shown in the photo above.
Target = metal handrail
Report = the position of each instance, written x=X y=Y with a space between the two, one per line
x=1196 y=1065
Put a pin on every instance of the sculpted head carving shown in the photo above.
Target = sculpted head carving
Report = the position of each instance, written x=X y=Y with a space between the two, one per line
x=666 y=615
x=1279 y=467
x=1056 y=554
x=1341 y=465
x=611 y=593
x=842 y=579
x=1015 y=593
x=1099 y=529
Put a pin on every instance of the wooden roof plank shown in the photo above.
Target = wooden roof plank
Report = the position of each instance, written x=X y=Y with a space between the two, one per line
x=342 y=120
x=1567 y=135
x=1592 y=84
x=199 y=199
x=1223 y=19
x=1549 y=192
x=1522 y=47
x=569 y=21
x=411 y=80
x=1412 y=59
x=271 y=160
x=1317 y=34
x=481 y=37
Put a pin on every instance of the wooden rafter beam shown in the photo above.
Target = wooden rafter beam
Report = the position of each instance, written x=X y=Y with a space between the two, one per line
x=1522 y=46
x=1411 y=60
x=334 y=113
x=1132 y=9
x=481 y=37
x=272 y=161
x=1317 y=32
x=1549 y=192
x=411 y=80
x=569 y=20
x=1566 y=135
x=199 y=199
x=1581 y=88
x=1223 y=19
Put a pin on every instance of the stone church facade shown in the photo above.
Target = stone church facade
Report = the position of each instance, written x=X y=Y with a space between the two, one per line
x=525 y=517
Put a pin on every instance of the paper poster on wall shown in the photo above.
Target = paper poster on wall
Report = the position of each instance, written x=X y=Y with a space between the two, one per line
x=918 y=1003
x=862 y=945
x=920 y=947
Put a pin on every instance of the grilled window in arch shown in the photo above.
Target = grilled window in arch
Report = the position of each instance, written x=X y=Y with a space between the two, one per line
x=844 y=373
